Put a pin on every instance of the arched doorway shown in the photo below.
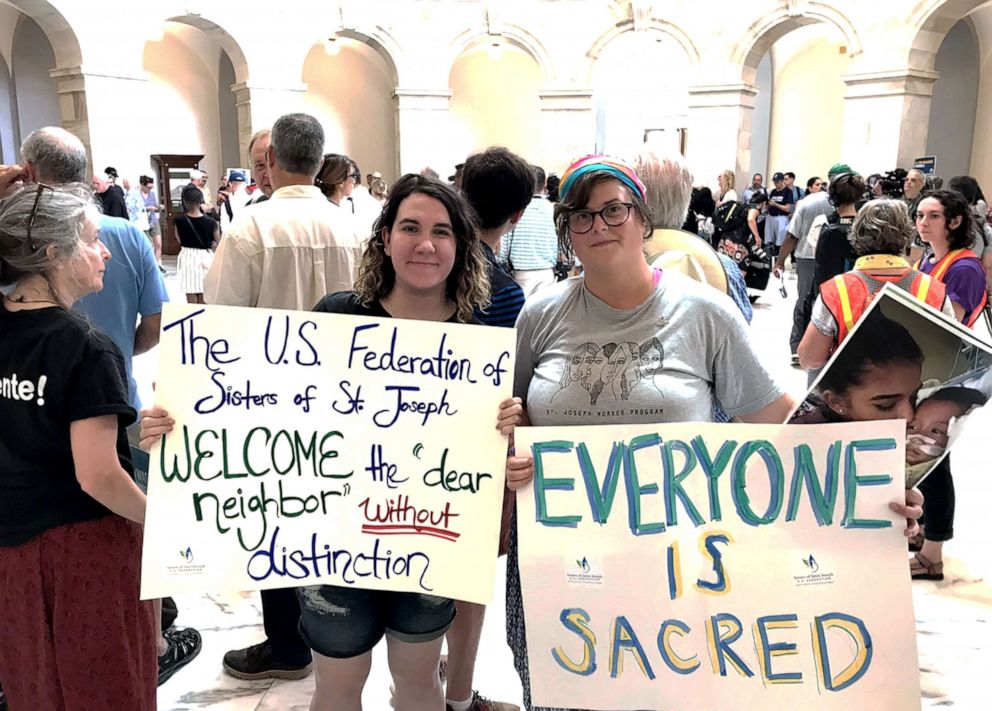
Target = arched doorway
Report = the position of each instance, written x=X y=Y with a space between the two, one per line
x=34 y=93
x=792 y=65
x=805 y=103
x=646 y=107
x=953 y=39
x=190 y=104
x=350 y=86
x=8 y=117
x=495 y=101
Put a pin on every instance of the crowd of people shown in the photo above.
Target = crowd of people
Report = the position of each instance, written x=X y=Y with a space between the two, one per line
x=604 y=263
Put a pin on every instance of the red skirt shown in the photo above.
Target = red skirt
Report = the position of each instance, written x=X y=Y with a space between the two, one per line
x=73 y=634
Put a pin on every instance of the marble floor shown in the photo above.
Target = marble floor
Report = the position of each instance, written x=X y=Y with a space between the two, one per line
x=952 y=616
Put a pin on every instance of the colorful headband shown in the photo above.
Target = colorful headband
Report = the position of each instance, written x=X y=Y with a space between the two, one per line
x=601 y=164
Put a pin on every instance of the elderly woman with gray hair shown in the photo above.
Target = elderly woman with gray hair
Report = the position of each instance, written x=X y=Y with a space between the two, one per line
x=75 y=633
x=879 y=237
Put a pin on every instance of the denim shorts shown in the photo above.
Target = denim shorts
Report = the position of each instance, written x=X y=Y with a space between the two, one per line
x=342 y=622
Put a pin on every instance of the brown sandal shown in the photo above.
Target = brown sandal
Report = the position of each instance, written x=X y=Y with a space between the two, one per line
x=922 y=568
x=916 y=542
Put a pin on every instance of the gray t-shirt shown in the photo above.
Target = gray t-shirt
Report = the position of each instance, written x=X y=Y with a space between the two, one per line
x=582 y=362
x=807 y=210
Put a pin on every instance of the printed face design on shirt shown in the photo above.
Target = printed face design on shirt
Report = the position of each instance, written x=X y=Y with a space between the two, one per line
x=579 y=364
x=421 y=244
x=615 y=368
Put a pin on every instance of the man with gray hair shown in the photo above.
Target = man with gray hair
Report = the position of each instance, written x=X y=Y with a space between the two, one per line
x=54 y=156
x=287 y=252
x=295 y=248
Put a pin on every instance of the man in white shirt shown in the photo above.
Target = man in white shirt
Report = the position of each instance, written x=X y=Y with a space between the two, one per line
x=295 y=248
x=287 y=252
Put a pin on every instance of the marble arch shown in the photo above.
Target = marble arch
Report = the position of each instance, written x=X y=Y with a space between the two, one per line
x=56 y=27
x=227 y=42
x=515 y=35
x=766 y=30
x=929 y=22
x=384 y=45
x=655 y=25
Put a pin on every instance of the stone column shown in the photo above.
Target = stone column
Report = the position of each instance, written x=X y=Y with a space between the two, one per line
x=100 y=106
x=259 y=105
x=421 y=125
x=886 y=116
x=71 y=87
x=568 y=127
x=719 y=136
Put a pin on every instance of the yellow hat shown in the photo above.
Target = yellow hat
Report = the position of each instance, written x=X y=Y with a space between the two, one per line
x=687 y=254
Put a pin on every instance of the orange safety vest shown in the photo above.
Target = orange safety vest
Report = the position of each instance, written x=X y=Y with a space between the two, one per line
x=848 y=295
x=941 y=269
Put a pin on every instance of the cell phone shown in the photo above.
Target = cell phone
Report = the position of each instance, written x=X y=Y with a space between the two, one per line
x=781 y=285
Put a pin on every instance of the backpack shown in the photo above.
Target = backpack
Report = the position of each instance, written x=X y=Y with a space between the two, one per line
x=730 y=216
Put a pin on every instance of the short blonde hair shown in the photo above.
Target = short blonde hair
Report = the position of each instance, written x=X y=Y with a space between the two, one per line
x=729 y=178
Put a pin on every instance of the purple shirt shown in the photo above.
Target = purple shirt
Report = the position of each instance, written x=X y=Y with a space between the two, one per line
x=964 y=281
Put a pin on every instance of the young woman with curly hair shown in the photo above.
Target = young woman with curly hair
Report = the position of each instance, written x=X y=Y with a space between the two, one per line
x=423 y=261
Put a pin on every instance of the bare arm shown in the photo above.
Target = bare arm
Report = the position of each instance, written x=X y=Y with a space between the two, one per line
x=784 y=251
x=772 y=414
x=814 y=349
x=99 y=471
x=752 y=223
x=147 y=334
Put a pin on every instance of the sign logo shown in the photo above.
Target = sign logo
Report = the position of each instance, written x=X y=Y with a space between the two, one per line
x=185 y=565
x=584 y=571
x=812 y=574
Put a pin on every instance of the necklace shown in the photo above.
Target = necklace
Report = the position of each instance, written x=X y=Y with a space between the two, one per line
x=21 y=300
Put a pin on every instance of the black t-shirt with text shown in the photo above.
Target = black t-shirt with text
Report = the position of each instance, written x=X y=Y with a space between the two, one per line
x=780 y=197
x=55 y=369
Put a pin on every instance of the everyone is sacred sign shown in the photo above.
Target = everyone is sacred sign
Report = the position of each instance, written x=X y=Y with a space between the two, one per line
x=700 y=566
x=318 y=448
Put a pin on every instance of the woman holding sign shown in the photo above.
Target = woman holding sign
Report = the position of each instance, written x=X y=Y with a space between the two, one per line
x=75 y=634
x=423 y=262
x=704 y=350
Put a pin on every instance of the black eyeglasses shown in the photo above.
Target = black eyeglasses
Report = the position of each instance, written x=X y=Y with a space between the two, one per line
x=613 y=215
x=34 y=208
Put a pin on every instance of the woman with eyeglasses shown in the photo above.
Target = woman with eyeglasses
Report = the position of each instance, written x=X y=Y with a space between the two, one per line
x=703 y=350
x=75 y=634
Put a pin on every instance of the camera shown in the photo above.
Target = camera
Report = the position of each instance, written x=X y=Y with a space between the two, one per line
x=888 y=184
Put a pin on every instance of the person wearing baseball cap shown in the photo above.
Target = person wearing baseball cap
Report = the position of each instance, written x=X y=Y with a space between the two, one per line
x=797 y=240
x=781 y=202
x=231 y=200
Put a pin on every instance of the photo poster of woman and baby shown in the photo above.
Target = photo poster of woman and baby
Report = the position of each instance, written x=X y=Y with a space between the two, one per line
x=904 y=359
